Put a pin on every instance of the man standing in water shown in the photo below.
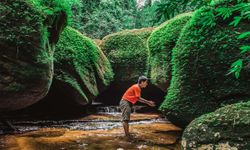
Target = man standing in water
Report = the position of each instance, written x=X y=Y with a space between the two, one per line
x=130 y=97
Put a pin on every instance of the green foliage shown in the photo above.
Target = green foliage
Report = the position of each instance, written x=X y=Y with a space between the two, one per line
x=160 y=44
x=200 y=61
x=32 y=21
x=82 y=14
x=236 y=67
x=236 y=9
x=167 y=9
x=127 y=52
x=243 y=8
x=52 y=7
x=145 y=15
x=99 y=18
x=77 y=60
x=19 y=33
x=102 y=17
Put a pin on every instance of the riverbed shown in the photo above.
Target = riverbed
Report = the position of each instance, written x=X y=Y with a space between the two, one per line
x=94 y=132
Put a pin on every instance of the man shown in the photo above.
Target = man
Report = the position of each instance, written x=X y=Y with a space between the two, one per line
x=130 y=97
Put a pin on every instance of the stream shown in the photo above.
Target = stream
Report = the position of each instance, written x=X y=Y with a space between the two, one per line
x=102 y=130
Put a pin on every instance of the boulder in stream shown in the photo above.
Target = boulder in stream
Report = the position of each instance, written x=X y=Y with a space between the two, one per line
x=28 y=35
x=226 y=128
x=201 y=61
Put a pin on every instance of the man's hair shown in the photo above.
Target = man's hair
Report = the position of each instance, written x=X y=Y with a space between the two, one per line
x=142 y=79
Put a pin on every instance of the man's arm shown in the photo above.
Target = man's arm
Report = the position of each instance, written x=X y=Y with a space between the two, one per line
x=150 y=103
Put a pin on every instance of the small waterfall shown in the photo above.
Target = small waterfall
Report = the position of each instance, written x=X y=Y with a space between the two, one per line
x=108 y=110
x=115 y=109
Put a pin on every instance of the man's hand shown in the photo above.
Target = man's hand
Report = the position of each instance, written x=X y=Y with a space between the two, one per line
x=151 y=103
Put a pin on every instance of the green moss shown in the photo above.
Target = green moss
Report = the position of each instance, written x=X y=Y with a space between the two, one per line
x=160 y=43
x=28 y=33
x=201 y=60
x=77 y=63
x=52 y=7
x=30 y=17
x=104 y=69
x=229 y=124
x=127 y=52
x=25 y=32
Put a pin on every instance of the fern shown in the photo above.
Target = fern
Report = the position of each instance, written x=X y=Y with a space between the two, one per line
x=245 y=49
x=236 y=68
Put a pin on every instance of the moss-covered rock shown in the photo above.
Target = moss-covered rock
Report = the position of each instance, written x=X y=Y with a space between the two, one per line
x=81 y=69
x=201 y=60
x=127 y=52
x=160 y=44
x=226 y=128
x=28 y=35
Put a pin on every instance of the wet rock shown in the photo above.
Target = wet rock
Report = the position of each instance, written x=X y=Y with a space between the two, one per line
x=160 y=44
x=127 y=52
x=226 y=128
x=81 y=69
x=201 y=61
x=27 y=39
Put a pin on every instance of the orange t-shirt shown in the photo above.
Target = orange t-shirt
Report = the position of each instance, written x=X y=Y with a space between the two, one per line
x=132 y=94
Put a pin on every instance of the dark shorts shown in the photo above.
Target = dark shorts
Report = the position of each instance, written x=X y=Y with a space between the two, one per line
x=126 y=108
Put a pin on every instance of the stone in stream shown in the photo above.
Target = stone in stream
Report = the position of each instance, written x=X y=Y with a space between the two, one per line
x=81 y=69
x=27 y=39
x=160 y=44
x=226 y=128
x=201 y=61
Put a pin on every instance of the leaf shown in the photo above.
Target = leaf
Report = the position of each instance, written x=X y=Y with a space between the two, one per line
x=237 y=74
x=236 y=67
x=247 y=15
x=236 y=21
x=224 y=12
x=244 y=35
x=209 y=20
x=245 y=48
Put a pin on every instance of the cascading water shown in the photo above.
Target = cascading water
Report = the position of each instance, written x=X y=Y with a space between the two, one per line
x=115 y=109
x=99 y=130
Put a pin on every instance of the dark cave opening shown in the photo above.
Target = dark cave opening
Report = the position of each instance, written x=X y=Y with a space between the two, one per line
x=58 y=103
x=112 y=95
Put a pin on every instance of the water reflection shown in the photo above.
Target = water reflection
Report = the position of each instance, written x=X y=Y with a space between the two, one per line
x=93 y=133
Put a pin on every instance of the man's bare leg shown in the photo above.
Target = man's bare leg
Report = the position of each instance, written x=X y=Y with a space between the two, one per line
x=126 y=128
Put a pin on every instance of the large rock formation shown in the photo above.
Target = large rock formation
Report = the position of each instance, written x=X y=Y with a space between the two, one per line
x=27 y=39
x=81 y=69
x=160 y=44
x=127 y=52
x=226 y=128
x=201 y=61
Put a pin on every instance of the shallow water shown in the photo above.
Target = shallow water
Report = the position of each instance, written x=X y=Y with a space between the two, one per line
x=94 y=132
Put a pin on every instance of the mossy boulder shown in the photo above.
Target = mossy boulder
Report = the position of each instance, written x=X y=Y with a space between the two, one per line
x=160 y=44
x=27 y=38
x=201 y=61
x=226 y=128
x=127 y=52
x=81 y=69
